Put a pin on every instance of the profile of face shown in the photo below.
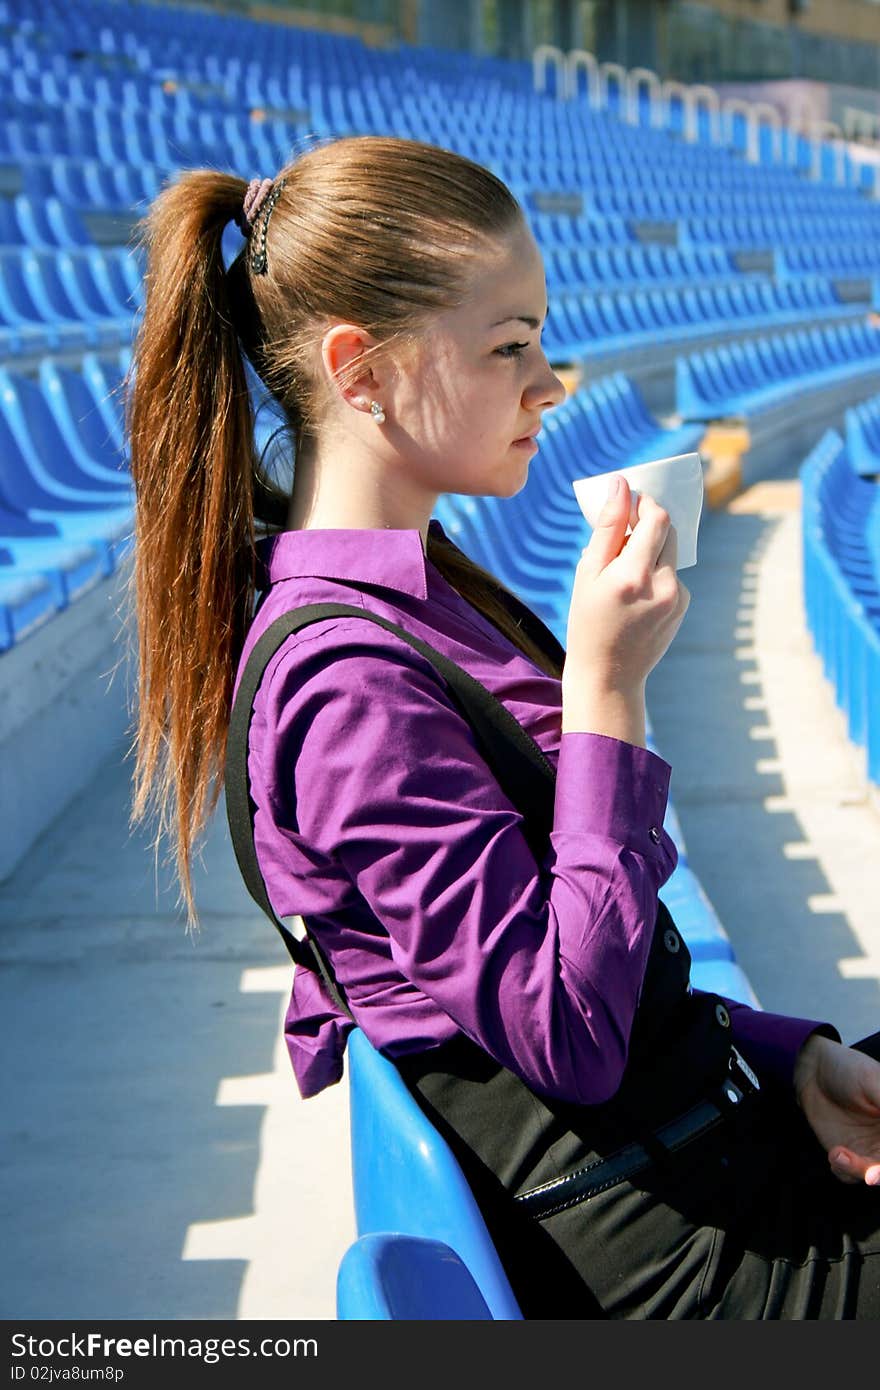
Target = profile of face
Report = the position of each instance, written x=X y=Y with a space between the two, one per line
x=470 y=400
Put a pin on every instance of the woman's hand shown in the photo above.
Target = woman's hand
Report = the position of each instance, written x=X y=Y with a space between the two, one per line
x=838 y=1090
x=627 y=604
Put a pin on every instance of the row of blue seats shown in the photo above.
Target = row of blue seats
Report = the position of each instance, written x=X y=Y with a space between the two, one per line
x=72 y=300
x=862 y=428
x=66 y=498
x=784 y=229
x=857 y=259
x=688 y=202
x=633 y=265
x=581 y=326
x=651 y=170
x=841 y=562
x=118 y=137
x=92 y=134
x=567 y=230
x=41 y=223
x=606 y=150
x=123 y=136
x=63 y=82
x=142 y=135
x=91 y=184
x=745 y=378
x=573 y=230
x=132 y=180
x=239 y=41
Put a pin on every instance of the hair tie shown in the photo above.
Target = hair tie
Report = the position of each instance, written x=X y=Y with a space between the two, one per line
x=254 y=198
x=260 y=192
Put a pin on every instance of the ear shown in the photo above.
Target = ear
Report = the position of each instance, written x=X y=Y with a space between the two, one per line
x=342 y=347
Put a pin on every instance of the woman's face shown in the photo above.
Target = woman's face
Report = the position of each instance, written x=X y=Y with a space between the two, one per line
x=479 y=380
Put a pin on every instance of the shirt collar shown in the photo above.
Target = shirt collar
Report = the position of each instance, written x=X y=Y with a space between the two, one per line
x=392 y=559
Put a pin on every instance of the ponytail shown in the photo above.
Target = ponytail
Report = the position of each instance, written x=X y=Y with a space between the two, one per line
x=190 y=427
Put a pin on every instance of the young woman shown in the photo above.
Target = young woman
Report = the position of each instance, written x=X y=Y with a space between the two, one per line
x=641 y=1149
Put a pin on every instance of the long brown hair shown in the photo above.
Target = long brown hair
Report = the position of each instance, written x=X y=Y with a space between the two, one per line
x=371 y=230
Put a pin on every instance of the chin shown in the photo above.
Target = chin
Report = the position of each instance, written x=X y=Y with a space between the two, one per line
x=509 y=488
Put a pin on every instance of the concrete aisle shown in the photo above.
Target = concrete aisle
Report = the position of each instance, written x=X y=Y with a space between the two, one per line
x=158 y=1161
x=770 y=794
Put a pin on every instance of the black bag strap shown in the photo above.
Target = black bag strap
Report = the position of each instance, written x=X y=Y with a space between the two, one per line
x=520 y=767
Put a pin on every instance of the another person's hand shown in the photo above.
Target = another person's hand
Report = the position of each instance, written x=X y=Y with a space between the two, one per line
x=838 y=1090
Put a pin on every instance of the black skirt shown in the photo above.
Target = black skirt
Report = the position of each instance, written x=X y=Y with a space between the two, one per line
x=720 y=1205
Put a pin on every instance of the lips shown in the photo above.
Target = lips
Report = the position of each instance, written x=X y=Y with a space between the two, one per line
x=531 y=435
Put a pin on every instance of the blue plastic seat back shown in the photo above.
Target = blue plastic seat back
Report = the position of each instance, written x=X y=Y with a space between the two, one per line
x=73 y=271
x=407 y=1179
x=11 y=233
x=399 y=1278
x=47 y=292
x=66 y=224
x=72 y=403
x=18 y=304
x=36 y=468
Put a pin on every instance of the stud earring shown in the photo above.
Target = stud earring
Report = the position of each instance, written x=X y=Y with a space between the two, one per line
x=377 y=412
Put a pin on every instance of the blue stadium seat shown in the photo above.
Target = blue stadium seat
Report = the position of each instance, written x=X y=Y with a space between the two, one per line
x=47 y=223
x=862 y=425
x=59 y=454
x=406 y=1178
x=19 y=314
x=107 y=325
x=61 y=297
x=103 y=376
x=400 y=1278
x=841 y=550
x=81 y=424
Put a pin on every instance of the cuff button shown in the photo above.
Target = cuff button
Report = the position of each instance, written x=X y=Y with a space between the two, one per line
x=671 y=941
x=722 y=1015
x=654 y=834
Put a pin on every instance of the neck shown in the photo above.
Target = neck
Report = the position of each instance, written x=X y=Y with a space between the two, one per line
x=355 y=490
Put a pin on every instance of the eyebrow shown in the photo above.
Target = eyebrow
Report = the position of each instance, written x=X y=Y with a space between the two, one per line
x=520 y=318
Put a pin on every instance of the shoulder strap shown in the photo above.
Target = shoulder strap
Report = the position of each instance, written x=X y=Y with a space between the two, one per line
x=519 y=765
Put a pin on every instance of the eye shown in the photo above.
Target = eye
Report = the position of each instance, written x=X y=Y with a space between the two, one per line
x=512 y=350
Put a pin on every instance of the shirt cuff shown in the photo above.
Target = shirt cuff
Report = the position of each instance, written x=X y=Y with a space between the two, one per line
x=771 y=1042
x=613 y=789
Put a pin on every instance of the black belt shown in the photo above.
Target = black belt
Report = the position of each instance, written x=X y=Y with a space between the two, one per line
x=560 y=1193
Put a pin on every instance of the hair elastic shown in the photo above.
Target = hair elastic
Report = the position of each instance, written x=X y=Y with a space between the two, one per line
x=259 y=200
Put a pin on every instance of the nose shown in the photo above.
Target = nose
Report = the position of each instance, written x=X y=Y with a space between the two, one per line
x=547 y=391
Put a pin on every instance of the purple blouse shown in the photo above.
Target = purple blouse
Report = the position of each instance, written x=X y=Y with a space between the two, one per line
x=379 y=821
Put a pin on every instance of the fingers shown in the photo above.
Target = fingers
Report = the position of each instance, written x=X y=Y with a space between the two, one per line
x=649 y=523
x=650 y=534
x=669 y=553
x=843 y=1165
x=849 y=1167
x=609 y=532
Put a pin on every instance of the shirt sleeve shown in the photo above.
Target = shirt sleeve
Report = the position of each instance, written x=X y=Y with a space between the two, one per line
x=771 y=1042
x=541 y=964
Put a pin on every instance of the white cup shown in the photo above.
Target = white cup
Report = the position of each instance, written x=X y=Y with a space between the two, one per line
x=676 y=484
